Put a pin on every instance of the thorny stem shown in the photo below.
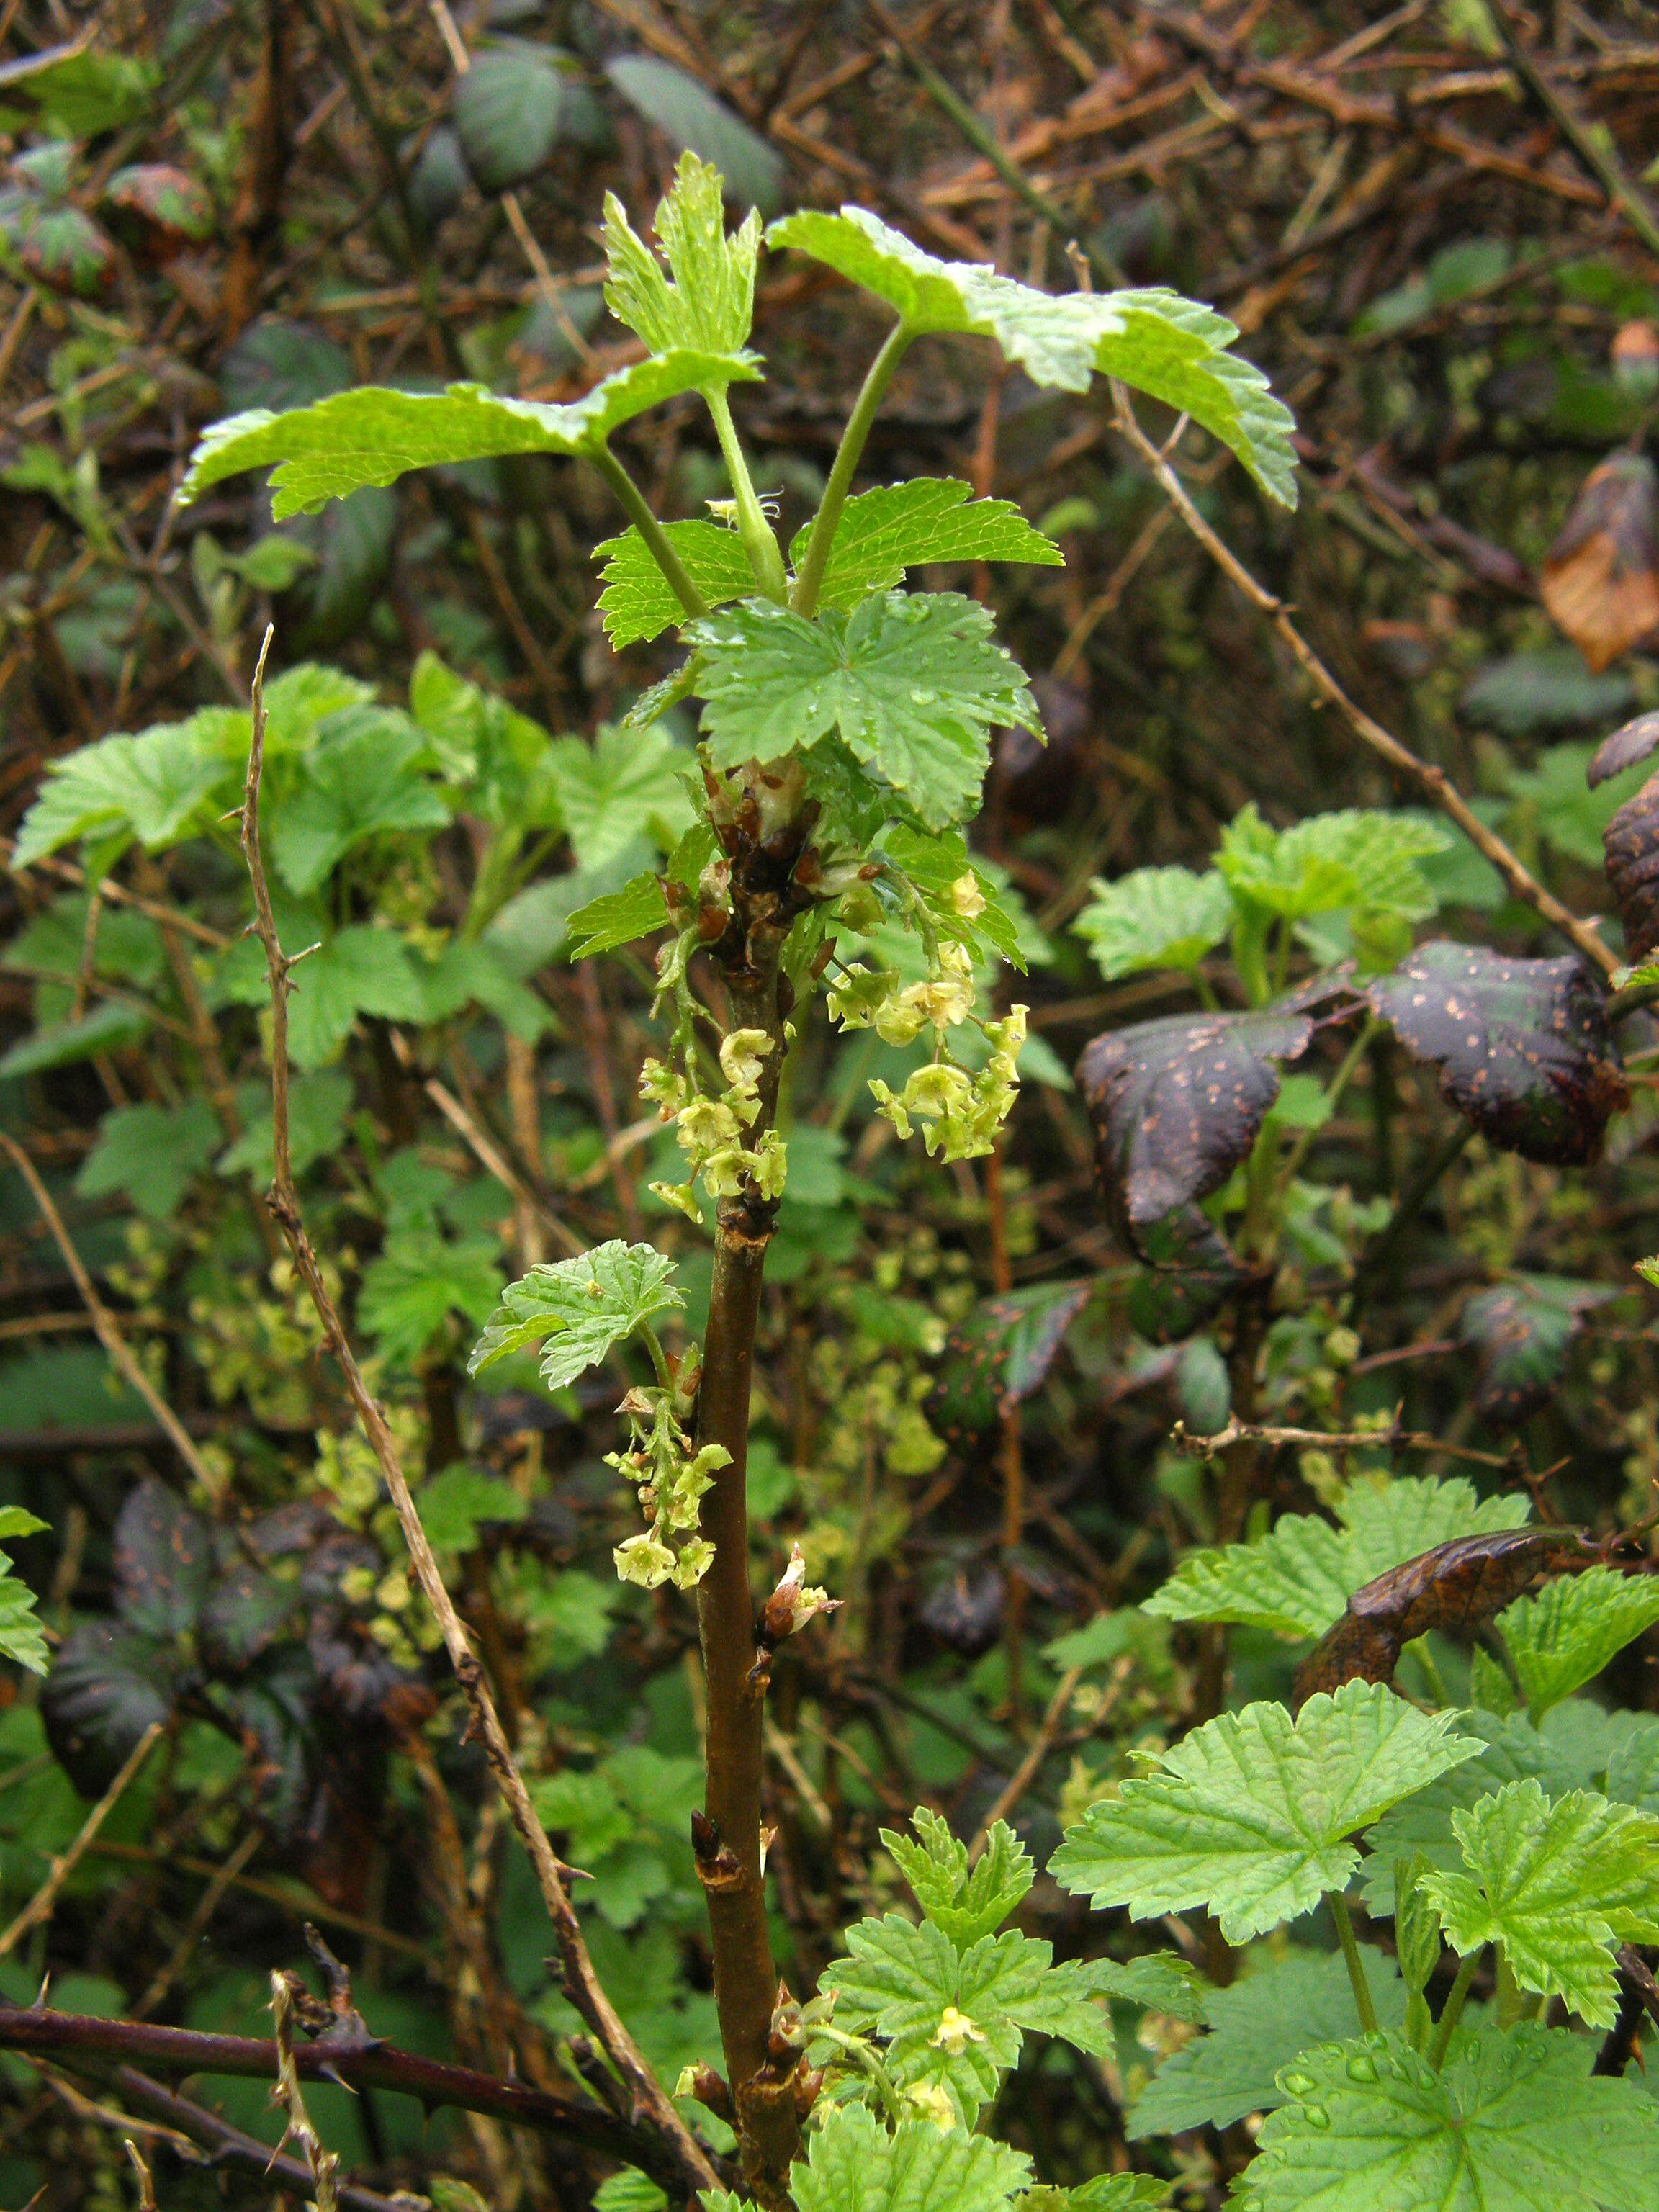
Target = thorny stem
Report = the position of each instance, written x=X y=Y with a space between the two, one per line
x=759 y=539
x=1467 y=1968
x=810 y=582
x=667 y=2143
x=660 y=545
x=1435 y=780
x=1352 y=1960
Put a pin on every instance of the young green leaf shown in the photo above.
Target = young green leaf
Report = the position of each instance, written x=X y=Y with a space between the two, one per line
x=150 y=787
x=1155 y=340
x=151 y=1154
x=361 y=970
x=1155 y=918
x=706 y=303
x=914 y=685
x=1250 y=1813
x=1564 y=1638
x=1298 y=1580
x=1516 y=2118
x=620 y=788
x=1359 y=860
x=373 y=436
x=637 y=602
x=1159 y=1981
x=884 y=531
x=418 y=1280
x=20 y=1638
x=1559 y=1885
x=619 y=918
x=965 y=1905
x=582 y=1306
x=1258 y=2025
x=454 y=1505
x=853 y=2165
x=363 y=777
x=955 y=2020
x=965 y=903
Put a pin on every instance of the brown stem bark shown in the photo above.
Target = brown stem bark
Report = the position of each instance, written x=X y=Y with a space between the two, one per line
x=729 y=1842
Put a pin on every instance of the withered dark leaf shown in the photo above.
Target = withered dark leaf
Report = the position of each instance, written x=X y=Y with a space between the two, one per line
x=1456 y=1590
x=967 y=1615
x=1177 y=1104
x=163 y=1562
x=1523 y=1046
x=1631 y=843
x=107 y=1687
x=1633 y=743
x=1000 y=1354
x=1522 y=1331
x=1601 y=580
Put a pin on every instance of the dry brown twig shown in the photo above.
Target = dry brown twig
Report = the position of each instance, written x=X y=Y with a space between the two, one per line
x=1434 y=781
x=121 y=1355
x=677 y=2148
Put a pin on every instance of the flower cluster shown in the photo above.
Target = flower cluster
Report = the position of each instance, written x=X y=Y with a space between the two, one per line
x=713 y=1132
x=671 y=1477
x=960 y=1113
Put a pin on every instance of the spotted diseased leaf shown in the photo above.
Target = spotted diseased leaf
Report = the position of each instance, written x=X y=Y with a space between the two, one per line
x=1630 y=841
x=1155 y=918
x=1559 y=1884
x=1258 y=2025
x=1601 y=578
x=1001 y=1353
x=885 y=532
x=1191 y=1272
x=967 y=1903
x=1251 y=1815
x=59 y=245
x=372 y=435
x=107 y=1685
x=582 y=1307
x=1523 y=1046
x=1299 y=1579
x=637 y=601
x=163 y=1562
x=1634 y=741
x=164 y=208
x=1522 y=1331
x=913 y=684
x=1516 y=2118
x=1454 y=1590
x=1155 y=340
x=1177 y=1104
x=1564 y=1638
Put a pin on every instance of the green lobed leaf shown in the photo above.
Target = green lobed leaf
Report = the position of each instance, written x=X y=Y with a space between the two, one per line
x=61 y=1044
x=623 y=787
x=914 y=685
x=705 y=302
x=956 y=2018
x=418 y=1280
x=1250 y=1814
x=149 y=787
x=1155 y=918
x=1298 y=1580
x=150 y=1155
x=619 y=918
x=935 y=868
x=1515 y=2122
x=365 y=775
x=373 y=436
x=1155 y=340
x=1559 y=1885
x=853 y=2165
x=894 y=527
x=966 y=1904
x=1565 y=1636
x=1359 y=859
x=507 y=111
x=636 y=600
x=1256 y=2026
x=361 y=970
x=20 y=1638
x=583 y=1306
